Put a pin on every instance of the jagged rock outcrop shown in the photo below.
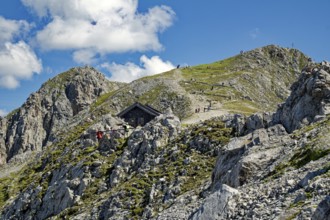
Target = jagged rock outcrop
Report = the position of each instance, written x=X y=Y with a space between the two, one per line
x=269 y=163
x=309 y=100
x=3 y=123
x=65 y=176
x=246 y=158
x=50 y=109
x=323 y=210
x=139 y=156
x=243 y=125
x=277 y=175
x=216 y=205
x=64 y=190
x=142 y=142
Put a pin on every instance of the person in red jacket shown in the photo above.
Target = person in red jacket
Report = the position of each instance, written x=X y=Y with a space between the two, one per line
x=99 y=135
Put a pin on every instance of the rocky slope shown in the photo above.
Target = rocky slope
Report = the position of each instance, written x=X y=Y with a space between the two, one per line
x=48 y=110
x=270 y=171
x=263 y=166
x=309 y=100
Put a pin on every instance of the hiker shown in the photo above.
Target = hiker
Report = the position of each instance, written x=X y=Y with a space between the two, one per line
x=108 y=128
x=99 y=135
x=126 y=130
x=178 y=66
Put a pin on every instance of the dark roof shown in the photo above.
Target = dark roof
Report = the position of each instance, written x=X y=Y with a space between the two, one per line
x=146 y=108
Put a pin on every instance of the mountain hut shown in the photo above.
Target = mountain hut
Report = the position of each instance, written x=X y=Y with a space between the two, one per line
x=138 y=114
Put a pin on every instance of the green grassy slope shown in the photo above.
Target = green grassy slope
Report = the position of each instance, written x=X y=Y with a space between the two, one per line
x=254 y=81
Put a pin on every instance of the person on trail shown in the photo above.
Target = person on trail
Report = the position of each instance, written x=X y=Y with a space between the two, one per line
x=126 y=130
x=99 y=135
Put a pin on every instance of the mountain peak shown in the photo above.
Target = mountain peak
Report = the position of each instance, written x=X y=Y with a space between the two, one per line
x=52 y=107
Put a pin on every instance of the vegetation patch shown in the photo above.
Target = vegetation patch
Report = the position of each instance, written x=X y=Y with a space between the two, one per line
x=308 y=154
x=214 y=130
x=102 y=99
x=241 y=106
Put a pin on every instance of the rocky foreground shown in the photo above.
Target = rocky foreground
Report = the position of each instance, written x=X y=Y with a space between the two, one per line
x=280 y=168
x=266 y=166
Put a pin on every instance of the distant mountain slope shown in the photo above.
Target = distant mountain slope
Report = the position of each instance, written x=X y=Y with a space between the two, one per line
x=254 y=81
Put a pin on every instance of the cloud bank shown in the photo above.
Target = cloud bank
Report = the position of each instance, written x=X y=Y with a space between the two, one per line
x=3 y=113
x=91 y=28
x=131 y=71
x=17 y=59
x=88 y=30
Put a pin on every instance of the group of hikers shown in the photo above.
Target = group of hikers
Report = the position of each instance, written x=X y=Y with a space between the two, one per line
x=197 y=110
x=100 y=133
x=208 y=108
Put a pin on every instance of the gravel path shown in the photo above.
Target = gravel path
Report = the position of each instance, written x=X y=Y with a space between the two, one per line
x=202 y=116
x=197 y=101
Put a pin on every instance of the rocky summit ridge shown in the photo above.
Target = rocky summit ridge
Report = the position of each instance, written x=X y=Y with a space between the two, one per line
x=262 y=155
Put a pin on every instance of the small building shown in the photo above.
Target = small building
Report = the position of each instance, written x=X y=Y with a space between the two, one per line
x=138 y=114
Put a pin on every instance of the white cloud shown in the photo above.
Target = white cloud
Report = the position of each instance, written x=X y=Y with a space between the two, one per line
x=84 y=56
x=12 y=28
x=104 y=27
x=254 y=33
x=3 y=112
x=17 y=61
x=131 y=71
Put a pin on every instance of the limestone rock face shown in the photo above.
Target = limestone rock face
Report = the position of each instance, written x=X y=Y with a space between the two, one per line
x=65 y=188
x=309 y=100
x=264 y=148
x=3 y=124
x=138 y=158
x=142 y=142
x=274 y=173
x=218 y=205
x=247 y=157
x=243 y=125
x=323 y=210
x=51 y=109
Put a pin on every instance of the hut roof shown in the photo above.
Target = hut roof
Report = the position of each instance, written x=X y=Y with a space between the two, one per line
x=147 y=108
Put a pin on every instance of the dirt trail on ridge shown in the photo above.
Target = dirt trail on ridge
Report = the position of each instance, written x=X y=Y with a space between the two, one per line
x=197 y=101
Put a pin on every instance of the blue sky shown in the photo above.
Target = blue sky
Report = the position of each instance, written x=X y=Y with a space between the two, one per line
x=128 y=39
